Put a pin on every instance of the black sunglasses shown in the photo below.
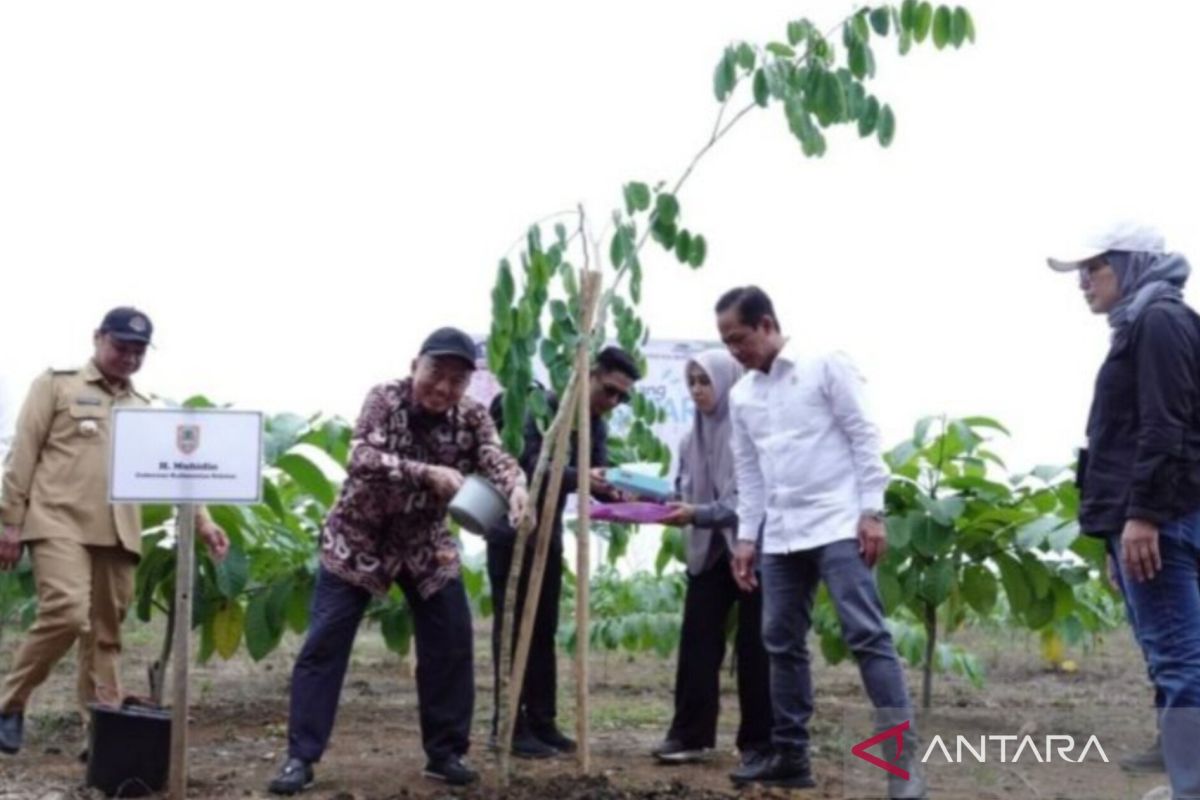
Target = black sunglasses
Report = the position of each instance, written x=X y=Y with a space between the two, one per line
x=616 y=393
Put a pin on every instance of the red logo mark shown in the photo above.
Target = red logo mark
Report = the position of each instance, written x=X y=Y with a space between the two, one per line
x=895 y=732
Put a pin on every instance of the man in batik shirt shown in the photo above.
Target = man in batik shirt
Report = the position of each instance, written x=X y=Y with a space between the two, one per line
x=415 y=440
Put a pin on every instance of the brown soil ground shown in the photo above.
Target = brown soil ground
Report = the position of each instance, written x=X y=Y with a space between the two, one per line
x=238 y=734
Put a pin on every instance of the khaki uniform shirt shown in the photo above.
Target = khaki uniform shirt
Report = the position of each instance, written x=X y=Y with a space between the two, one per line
x=56 y=474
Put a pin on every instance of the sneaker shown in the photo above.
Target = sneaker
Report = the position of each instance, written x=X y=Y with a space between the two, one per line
x=557 y=739
x=673 y=751
x=294 y=777
x=751 y=763
x=1148 y=761
x=785 y=768
x=452 y=770
x=12 y=731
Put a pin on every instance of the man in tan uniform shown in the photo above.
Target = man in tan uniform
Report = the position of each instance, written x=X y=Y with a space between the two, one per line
x=55 y=501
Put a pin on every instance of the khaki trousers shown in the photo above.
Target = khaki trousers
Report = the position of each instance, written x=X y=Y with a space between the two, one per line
x=83 y=594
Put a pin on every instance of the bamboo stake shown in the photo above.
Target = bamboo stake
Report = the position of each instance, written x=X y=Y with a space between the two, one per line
x=590 y=281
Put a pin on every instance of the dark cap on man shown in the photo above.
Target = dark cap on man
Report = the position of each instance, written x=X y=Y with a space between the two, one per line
x=127 y=324
x=450 y=343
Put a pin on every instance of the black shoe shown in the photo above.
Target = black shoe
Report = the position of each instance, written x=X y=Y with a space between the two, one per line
x=295 y=776
x=452 y=770
x=12 y=730
x=785 y=768
x=673 y=751
x=525 y=745
x=1148 y=761
x=556 y=739
x=751 y=763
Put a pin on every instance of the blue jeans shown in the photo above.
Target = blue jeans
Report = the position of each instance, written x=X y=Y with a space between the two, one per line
x=789 y=584
x=1166 y=619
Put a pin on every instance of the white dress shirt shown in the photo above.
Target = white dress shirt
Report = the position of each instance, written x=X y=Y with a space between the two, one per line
x=808 y=459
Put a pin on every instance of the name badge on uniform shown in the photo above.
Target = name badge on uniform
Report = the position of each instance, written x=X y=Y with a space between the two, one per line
x=88 y=401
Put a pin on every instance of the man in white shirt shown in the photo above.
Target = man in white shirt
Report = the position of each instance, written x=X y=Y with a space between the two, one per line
x=810 y=473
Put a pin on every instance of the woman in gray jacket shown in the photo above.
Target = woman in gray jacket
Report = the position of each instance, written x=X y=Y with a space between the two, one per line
x=707 y=512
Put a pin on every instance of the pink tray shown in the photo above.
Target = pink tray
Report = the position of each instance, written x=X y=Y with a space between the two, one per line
x=637 y=512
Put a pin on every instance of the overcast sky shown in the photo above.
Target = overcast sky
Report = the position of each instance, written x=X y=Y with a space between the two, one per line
x=297 y=192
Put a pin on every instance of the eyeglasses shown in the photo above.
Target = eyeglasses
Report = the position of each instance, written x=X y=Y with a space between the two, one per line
x=616 y=393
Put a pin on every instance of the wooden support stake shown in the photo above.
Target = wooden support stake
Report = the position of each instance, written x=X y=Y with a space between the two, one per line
x=590 y=281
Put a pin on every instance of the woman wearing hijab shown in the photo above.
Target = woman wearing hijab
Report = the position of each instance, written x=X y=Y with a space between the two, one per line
x=707 y=511
x=1140 y=475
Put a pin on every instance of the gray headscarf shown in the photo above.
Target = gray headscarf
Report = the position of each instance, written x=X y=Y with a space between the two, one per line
x=1143 y=279
x=709 y=449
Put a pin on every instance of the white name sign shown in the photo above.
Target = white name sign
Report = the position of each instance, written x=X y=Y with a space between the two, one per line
x=182 y=455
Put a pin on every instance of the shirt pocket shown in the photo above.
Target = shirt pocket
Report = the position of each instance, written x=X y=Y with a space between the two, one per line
x=88 y=423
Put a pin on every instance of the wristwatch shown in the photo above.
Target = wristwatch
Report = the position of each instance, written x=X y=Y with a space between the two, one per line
x=875 y=514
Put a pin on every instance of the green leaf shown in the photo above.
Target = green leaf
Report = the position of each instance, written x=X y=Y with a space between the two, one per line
x=831 y=100
x=879 y=20
x=922 y=21
x=958 y=27
x=1037 y=574
x=858 y=60
x=762 y=93
x=931 y=538
x=1062 y=538
x=899 y=530
x=891 y=594
x=1015 y=583
x=906 y=42
x=962 y=26
x=745 y=56
x=886 y=127
x=262 y=636
x=683 y=244
x=861 y=29
x=908 y=14
x=948 y=509
x=833 y=647
x=724 y=77
x=397 y=630
x=637 y=197
x=697 y=251
x=617 y=251
x=299 y=605
x=666 y=207
x=985 y=422
x=227 y=627
x=1034 y=534
x=797 y=31
x=869 y=118
x=937 y=582
x=781 y=50
x=980 y=588
x=941 y=27
x=155 y=515
x=1041 y=611
x=308 y=476
x=233 y=572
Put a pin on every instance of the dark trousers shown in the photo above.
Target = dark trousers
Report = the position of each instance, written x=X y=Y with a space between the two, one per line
x=539 y=695
x=445 y=669
x=710 y=596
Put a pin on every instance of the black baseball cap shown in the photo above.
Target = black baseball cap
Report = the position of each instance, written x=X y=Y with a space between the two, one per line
x=450 y=342
x=127 y=324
